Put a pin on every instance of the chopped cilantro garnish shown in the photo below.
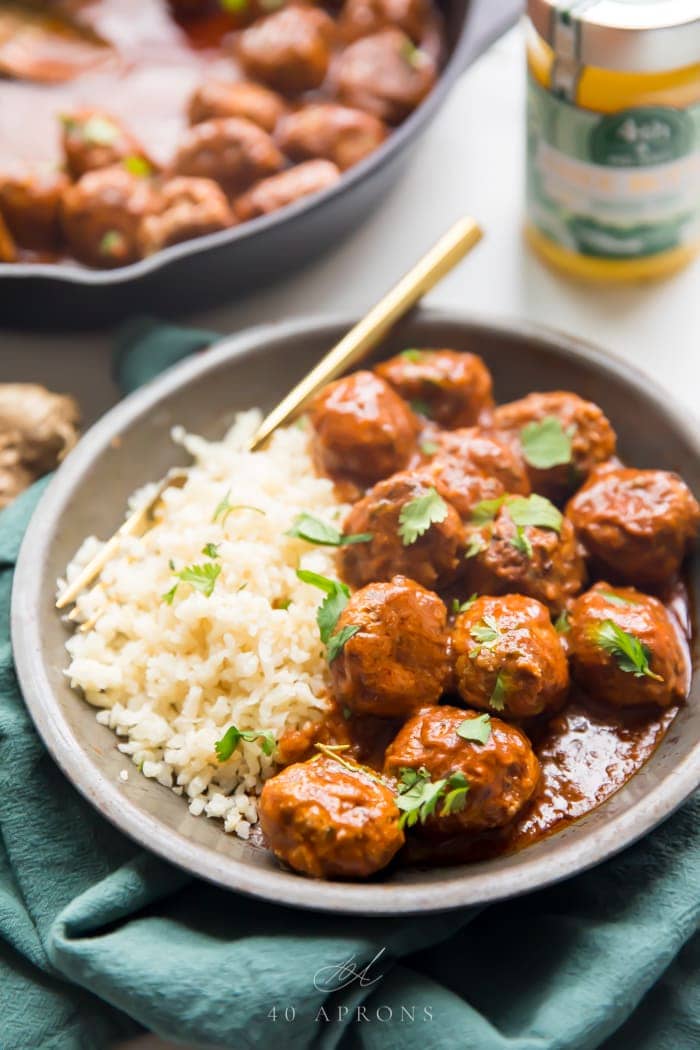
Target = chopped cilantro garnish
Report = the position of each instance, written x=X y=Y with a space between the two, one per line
x=475 y=729
x=486 y=633
x=421 y=408
x=521 y=542
x=429 y=448
x=534 y=510
x=561 y=624
x=460 y=607
x=617 y=599
x=313 y=530
x=631 y=654
x=419 y=514
x=233 y=735
x=498 y=696
x=412 y=355
x=476 y=545
x=211 y=550
x=202 y=577
x=337 y=641
x=545 y=443
x=486 y=510
x=137 y=165
x=225 y=507
x=112 y=243
x=418 y=795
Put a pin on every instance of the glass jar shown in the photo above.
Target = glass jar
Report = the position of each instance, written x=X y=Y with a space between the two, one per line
x=613 y=135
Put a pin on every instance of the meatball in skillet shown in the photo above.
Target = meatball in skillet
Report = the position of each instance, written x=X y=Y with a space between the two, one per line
x=398 y=660
x=415 y=533
x=625 y=649
x=364 y=17
x=562 y=438
x=237 y=98
x=492 y=759
x=290 y=50
x=330 y=820
x=509 y=658
x=449 y=387
x=278 y=191
x=523 y=545
x=231 y=150
x=185 y=208
x=362 y=429
x=93 y=139
x=30 y=203
x=101 y=216
x=337 y=133
x=384 y=74
x=637 y=524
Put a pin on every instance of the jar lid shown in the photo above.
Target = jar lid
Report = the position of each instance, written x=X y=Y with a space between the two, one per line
x=623 y=35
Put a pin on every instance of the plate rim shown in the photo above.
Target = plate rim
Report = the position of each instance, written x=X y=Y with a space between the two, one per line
x=456 y=889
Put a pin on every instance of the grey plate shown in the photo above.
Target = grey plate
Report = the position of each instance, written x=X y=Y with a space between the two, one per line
x=89 y=493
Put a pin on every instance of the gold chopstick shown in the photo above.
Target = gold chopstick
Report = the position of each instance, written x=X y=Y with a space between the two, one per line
x=353 y=347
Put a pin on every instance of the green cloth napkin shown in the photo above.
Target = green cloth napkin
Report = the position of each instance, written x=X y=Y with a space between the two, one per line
x=99 y=938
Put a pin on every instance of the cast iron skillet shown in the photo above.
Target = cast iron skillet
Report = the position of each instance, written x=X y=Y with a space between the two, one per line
x=223 y=265
x=89 y=493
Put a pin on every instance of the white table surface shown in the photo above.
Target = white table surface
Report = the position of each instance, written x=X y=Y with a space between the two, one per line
x=471 y=160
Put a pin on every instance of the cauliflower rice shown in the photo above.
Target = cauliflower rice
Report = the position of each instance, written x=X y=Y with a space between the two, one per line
x=171 y=678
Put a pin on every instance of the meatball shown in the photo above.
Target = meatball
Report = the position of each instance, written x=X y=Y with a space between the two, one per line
x=364 y=17
x=637 y=524
x=328 y=820
x=431 y=554
x=398 y=661
x=8 y=248
x=221 y=98
x=101 y=216
x=507 y=556
x=30 y=204
x=289 y=50
x=562 y=437
x=280 y=190
x=452 y=388
x=338 y=133
x=185 y=208
x=508 y=657
x=93 y=139
x=363 y=430
x=502 y=773
x=384 y=74
x=231 y=150
x=625 y=649
x=471 y=466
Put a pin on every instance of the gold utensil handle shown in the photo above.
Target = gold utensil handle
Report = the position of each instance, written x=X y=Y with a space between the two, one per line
x=365 y=335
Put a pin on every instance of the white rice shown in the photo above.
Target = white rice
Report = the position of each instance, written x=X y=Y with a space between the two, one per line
x=170 y=679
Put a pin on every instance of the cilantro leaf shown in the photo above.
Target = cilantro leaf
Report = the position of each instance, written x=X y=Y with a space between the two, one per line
x=476 y=729
x=521 y=542
x=561 y=624
x=419 y=514
x=631 y=654
x=421 y=408
x=412 y=355
x=211 y=550
x=460 y=607
x=169 y=596
x=429 y=448
x=536 y=511
x=486 y=633
x=137 y=165
x=230 y=740
x=225 y=507
x=476 y=545
x=337 y=641
x=418 y=795
x=498 y=696
x=331 y=607
x=456 y=798
x=545 y=443
x=202 y=577
x=112 y=243
x=313 y=530
x=617 y=599
x=486 y=510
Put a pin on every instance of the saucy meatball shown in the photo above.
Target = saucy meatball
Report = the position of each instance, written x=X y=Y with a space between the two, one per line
x=231 y=150
x=398 y=661
x=288 y=50
x=430 y=554
x=185 y=208
x=562 y=437
x=384 y=74
x=363 y=430
x=101 y=216
x=502 y=774
x=637 y=524
x=451 y=388
x=30 y=204
x=330 y=821
x=280 y=190
x=338 y=133
x=508 y=657
x=93 y=139
x=364 y=17
x=473 y=451
x=236 y=98
x=624 y=648
x=507 y=556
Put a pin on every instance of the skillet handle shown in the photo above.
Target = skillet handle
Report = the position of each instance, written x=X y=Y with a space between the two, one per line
x=487 y=20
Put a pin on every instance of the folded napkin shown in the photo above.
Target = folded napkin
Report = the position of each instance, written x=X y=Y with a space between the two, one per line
x=99 y=939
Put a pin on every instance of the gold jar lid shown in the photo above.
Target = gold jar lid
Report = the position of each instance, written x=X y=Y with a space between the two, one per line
x=636 y=36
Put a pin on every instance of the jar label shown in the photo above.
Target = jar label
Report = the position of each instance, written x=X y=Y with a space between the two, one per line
x=616 y=185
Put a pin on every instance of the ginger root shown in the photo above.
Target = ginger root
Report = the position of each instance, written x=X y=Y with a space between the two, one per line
x=37 y=429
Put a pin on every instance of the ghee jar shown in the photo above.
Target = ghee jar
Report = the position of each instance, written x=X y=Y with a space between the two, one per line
x=613 y=135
